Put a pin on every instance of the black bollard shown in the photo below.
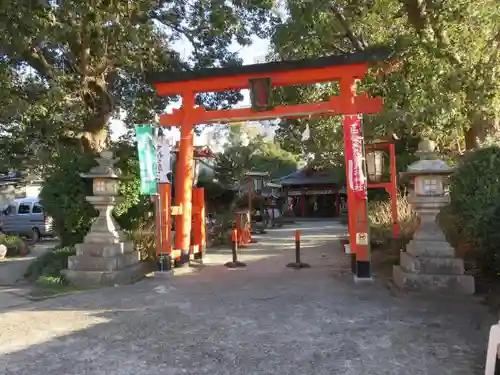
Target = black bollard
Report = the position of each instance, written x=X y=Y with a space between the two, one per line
x=297 y=264
x=164 y=262
x=234 y=247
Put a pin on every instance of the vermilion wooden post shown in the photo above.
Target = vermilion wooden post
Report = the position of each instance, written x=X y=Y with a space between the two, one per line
x=357 y=206
x=184 y=179
x=199 y=220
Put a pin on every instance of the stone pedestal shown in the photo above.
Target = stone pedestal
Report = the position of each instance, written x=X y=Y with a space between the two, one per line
x=429 y=262
x=105 y=257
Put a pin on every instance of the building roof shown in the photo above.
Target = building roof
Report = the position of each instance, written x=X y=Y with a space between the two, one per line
x=310 y=176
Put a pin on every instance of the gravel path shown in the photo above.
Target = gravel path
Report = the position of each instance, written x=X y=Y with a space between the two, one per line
x=266 y=319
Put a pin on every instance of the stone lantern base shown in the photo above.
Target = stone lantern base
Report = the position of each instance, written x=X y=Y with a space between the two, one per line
x=101 y=264
x=432 y=266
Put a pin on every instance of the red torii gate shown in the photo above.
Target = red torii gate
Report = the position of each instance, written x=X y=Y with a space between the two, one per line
x=260 y=78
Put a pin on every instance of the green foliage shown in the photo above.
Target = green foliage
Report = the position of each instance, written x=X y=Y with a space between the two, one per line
x=50 y=265
x=231 y=166
x=135 y=209
x=64 y=191
x=63 y=196
x=380 y=218
x=144 y=240
x=475 y=197
x=14 y=244
x=68 y=67
x=433 y=87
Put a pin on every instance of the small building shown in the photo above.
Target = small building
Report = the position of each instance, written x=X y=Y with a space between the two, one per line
x=314 y=192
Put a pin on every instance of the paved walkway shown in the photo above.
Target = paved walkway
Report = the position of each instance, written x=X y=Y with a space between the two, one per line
x=264 y=320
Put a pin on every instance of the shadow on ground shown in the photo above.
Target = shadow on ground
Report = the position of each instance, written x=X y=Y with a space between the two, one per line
x=266 y=319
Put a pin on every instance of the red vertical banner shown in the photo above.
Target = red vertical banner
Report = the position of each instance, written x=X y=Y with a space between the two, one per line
x=356 y=178
x=356 y=185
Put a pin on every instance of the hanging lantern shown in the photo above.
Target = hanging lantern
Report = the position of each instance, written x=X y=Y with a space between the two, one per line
x=260 y=94
x=257 y=180
x=375 y=165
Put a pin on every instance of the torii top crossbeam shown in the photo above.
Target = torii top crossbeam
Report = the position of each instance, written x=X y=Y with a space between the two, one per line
x=345 y=69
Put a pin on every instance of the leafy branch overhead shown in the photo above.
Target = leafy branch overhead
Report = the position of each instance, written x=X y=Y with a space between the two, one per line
x=72 y=65
x=444 y=82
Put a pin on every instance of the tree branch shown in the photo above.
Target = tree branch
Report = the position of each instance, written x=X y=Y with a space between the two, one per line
x=358 y=43
x=36 y=59
x=84 y=47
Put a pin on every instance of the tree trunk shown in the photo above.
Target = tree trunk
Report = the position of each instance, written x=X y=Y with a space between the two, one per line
x=471 y=138
x=100 y=103
x=96 y=132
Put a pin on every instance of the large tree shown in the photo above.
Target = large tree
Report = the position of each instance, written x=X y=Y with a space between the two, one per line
x=444 y=80
x=68 y=66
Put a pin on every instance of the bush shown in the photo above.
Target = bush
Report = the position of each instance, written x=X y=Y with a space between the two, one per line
x=380 y=218
x=50 y=265
x=474 y=211
x=218 y=229
x=15 y=245
x=63 y=196
x=64 y=191
x=144 y=240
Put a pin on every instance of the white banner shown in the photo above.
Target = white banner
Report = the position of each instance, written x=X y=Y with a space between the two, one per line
x=164 y=170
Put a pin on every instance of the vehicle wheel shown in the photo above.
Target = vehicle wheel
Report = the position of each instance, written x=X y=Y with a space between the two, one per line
x=35 y=235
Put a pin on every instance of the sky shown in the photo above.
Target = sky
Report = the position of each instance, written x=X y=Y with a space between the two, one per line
x=252 y=54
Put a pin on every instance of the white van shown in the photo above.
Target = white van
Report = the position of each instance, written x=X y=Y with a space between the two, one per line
x=25 y=217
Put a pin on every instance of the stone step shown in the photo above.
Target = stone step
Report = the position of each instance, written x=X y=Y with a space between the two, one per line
x=463 y=284
x=437 y=249
x=430 y=265
x=104 y=250
x=126 y=275
x=89 y=263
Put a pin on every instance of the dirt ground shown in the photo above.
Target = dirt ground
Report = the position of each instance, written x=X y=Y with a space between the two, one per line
x=264 y=319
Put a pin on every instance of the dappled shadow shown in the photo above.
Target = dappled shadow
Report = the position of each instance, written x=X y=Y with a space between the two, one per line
x=265 y=319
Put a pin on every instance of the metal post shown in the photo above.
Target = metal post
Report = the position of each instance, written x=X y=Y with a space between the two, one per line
x=297 y=264
x=235 y=263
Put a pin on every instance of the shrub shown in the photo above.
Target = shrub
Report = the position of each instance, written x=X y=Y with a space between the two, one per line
x=219 y=228
x=380 y=218
x=64 y=191
x=475 y=207
x=50 y=265
x=14 y=244
x=144 y=240
x=63 y=196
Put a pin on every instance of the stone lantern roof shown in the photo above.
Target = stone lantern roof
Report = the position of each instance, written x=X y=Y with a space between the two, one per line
x=105 y=167
x=429 y=164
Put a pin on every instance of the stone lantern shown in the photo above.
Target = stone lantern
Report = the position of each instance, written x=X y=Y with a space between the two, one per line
x=105 y=257
x=429 y=262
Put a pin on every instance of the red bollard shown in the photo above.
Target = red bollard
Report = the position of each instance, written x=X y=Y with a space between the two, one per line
x=297 y=264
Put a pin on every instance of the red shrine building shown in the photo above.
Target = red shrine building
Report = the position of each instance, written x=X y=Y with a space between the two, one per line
x=314 y=193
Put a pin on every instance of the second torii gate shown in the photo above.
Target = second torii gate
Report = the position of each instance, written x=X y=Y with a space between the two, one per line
x=260 y=78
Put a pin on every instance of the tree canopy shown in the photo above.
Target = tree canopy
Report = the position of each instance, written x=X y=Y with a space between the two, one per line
x=442 y=82
x=68 y=66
